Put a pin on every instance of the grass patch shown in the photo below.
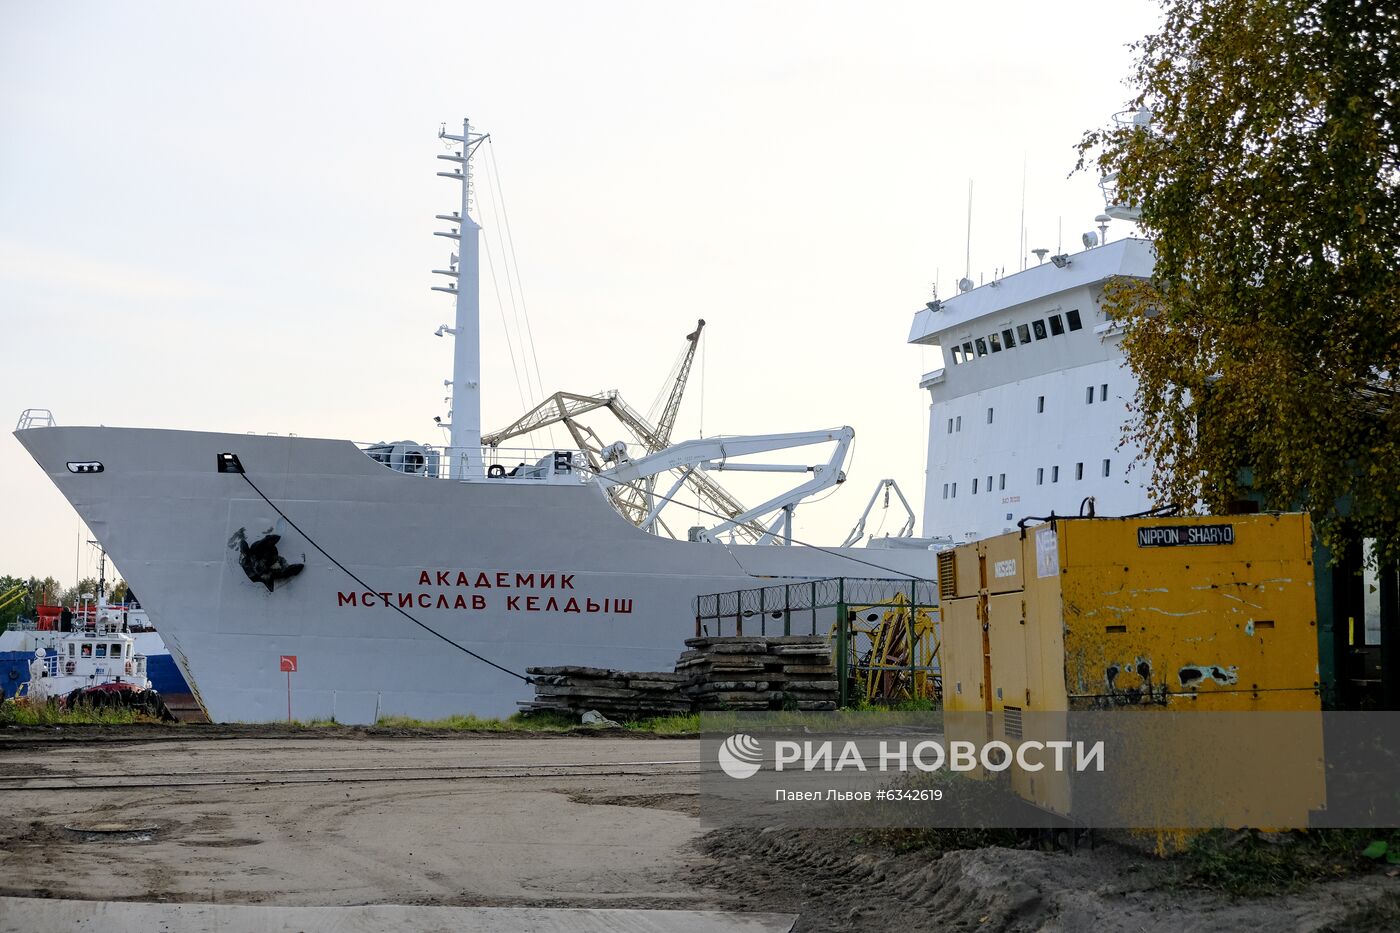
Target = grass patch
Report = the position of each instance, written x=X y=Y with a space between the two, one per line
x=50 y=714
x=1250 y=863
x=835 y=722
x=687 y=724
x=535 y=722
x=539 y=722
x=917 y=705
x=309 y=724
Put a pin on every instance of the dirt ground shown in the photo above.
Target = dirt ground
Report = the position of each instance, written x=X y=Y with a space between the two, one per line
x=343 y=817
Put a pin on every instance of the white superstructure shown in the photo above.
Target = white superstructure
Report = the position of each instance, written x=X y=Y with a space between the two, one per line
x=1027 y=412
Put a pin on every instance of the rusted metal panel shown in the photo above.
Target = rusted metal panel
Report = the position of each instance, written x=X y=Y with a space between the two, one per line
x=1229 y=623
x=1224 y=620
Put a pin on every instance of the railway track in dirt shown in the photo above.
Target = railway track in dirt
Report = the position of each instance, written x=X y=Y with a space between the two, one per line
x=49 y=781
x=18 y=738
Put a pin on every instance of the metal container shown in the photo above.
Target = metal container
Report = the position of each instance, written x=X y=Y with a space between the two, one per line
x=1132 y=615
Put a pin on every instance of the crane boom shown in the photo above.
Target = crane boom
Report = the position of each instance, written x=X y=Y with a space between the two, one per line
x=561 y=406
x=715 y=497
x=713 y=453
x=636 y=500
x=667 y=421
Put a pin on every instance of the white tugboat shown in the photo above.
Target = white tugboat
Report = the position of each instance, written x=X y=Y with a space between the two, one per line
x=97 y=661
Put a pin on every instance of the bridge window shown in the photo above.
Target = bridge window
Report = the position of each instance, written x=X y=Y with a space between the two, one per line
x=1024 y=332
x=1057 y=326
x=967 y=351
x=995 y=342
x=1072 y=317
x=981 y=347
x=87 y=651
x=101 y=651
x=1008 y=338
x=957 y=356
x=1039 y=328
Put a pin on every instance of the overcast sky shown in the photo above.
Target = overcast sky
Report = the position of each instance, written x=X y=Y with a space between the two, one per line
x=219 y=216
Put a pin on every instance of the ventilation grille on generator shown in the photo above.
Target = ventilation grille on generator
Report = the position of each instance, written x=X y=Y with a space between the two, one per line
x=947 y=575
x=1011 y=721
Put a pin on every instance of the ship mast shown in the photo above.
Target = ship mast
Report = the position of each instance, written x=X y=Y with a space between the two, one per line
x=464 y=273
x=101 y=574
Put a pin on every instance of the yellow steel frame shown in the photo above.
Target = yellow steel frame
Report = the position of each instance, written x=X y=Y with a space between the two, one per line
x=885 y=675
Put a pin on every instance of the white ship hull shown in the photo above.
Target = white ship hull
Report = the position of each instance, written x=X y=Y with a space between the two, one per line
x=522 y=573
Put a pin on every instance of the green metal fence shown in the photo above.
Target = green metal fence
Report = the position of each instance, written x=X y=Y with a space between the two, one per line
x=884 y=633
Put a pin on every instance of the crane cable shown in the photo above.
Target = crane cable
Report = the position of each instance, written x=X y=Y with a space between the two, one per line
x=510 y=345
x=529 y=338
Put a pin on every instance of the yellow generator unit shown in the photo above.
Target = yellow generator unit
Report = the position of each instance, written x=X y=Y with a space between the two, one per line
x=1134 y=615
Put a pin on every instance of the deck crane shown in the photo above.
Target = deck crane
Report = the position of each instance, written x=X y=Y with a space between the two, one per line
x=635 y=500
x=660 y=435
x=885 y=485
x=716 y=453
x=667 y=421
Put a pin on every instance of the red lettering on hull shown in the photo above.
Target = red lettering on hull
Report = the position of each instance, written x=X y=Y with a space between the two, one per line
x=499 y=579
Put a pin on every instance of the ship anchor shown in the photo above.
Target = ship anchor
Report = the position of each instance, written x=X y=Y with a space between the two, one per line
x=260 y=561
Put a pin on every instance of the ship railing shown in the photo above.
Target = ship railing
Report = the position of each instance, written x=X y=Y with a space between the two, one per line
x=884 y=633
x=523 y=464
x=35 y=418
x=80 y=626
x=95 y=629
